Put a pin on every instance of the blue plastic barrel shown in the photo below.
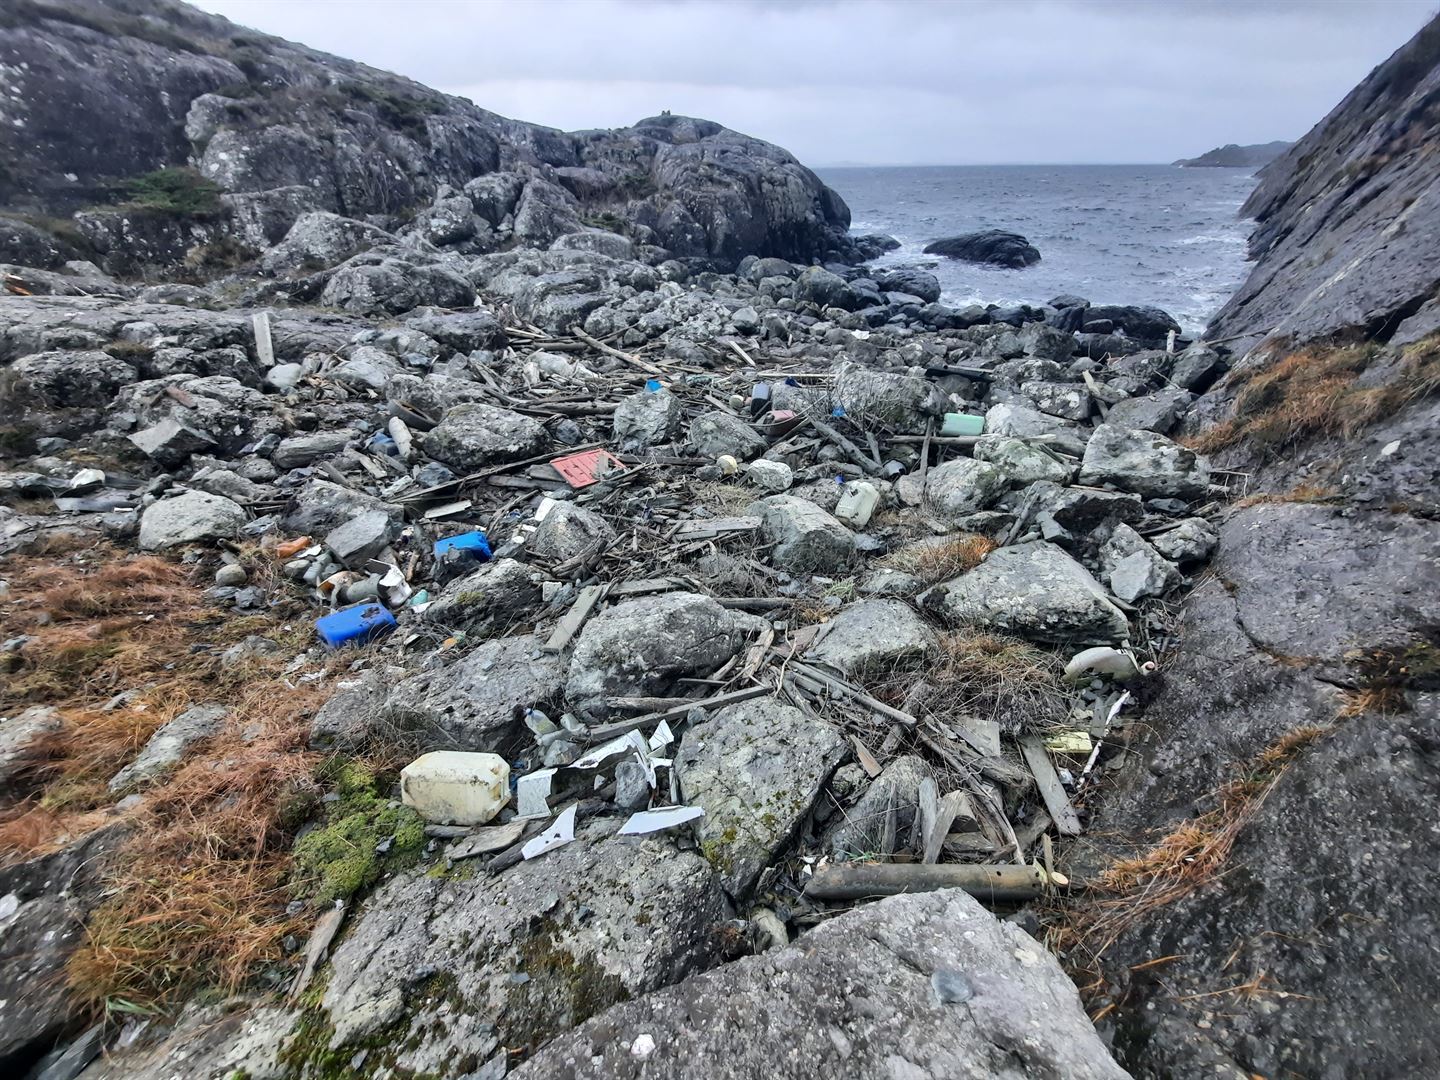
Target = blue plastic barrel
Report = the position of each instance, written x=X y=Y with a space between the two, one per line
x=359 y=623
x=472 y=543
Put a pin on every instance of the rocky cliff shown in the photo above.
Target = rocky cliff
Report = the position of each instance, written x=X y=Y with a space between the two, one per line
x=1275 y=921
x=100 y=94
x=1348 y=219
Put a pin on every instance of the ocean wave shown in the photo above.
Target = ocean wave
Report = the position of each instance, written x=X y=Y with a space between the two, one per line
x=1212 y=238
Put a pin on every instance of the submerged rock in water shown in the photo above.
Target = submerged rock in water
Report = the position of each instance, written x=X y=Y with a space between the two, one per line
x=993 y=246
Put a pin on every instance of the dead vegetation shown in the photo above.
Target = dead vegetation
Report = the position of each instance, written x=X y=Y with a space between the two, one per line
x=985 y=675
x=940 y=560
x=1189 y=856
x=197 y=893
x=1322 y=391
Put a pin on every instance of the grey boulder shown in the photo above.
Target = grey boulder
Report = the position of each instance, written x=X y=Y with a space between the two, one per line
x=1191 y=540
x=1145 y=463
x=806 y=539
x=502 y=591
x=871 y=634
x=1022 y=422
x=473 y=436
x=963 y=486
x=1158 y=412
x=168 y=746
x=647 y=418
x=642 y=646
x=1034 y=591
x=188 y=519
x=567 y=531
x=864 y=829
x=715 y=433
x=756 y=768
x=911 y=988
x=1020 y=462
x=1135 y=569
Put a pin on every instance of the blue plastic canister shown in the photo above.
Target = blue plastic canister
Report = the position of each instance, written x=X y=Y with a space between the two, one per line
x=473 y=543
x=358 y=623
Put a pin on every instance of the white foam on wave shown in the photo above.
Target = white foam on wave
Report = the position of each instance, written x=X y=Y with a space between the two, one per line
x=1212 y=238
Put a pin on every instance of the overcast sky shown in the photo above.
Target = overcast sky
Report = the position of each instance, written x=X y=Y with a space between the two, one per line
x=884 y=81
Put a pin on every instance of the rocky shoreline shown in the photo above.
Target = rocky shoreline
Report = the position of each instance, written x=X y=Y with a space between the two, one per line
x=813 y=666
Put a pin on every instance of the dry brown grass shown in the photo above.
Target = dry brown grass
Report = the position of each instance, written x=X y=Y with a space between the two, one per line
x=1313 y=393
x=196 y=894
x=934 y=562
x=1184 y=859
x=1300 y=493
x=990 y=676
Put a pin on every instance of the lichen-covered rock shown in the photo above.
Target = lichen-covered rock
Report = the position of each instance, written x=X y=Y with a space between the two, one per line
x=871 y=634
x=188 y=519
x=503 y=591
x=647 y=418
x=1020 y=462
x=454 y=969
x=861 y=830
x=642 y=646
x=1134 y=568
x=321 y=505
x=1021 y=422
x=1143 y=462
x=757 y=768
x=390 y=285
x=475 y=703
x=715 y=433
x=963 y=486
x=947 y=991
x=319 y=240
x=73 y=379
x=806 y=539
x=1158 y=412
x=1034 y=591
x=473 y=436
x=901 y=402
x=1191 y=540
x=567 y=531
x=168 y=746
x=24 y=738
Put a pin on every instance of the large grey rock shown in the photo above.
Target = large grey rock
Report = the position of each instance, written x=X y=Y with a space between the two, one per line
x=909 y=279
x=170 y=442
x=642 y=646
x=856 y=997
x=1300 y=598
x=1158 y=412
x=871 y=634
x=320 y=239
x=360 y=539
x=464 y=331
x=24 y=738
x=452 y=970
x=473 y=436
x=188 y=519
x=52 y=896
x=476 y=702
x=1020 y=462
x=390 y=285
x=354 y=713
x=877 y=398
x=715 y=433
x=300 y=450
x=1191 y=540
x=757 y=768
x=863 y=828
x=647 y=418
x=963 y=486
x=1070 y=401
x=432 y=394
x=321 y=506
x=806 y=539
x=1021 y=422
x=1047 y=342
x=994 y=246
x=567 y=531
x=229 y=1039
x=73 y=379
x=1035 y=591
x=366 y=368
x=1135 y=569
x=168 y=746
x=1081 y=519
x=503 y=591
x=1143 y=462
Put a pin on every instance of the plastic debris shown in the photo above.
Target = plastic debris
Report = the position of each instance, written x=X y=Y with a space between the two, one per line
x=472 y=543
x=1102 y=660
x=531 y=793
x=359 y=623
x=586 y=468
x=667 y=817
x=558 y=835
x=456 y=787
x=957 y=424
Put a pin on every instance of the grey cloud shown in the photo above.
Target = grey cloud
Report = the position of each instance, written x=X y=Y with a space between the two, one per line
x=904 y=81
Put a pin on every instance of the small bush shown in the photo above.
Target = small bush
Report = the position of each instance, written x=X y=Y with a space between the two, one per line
x=182 y=192
x=933 y=562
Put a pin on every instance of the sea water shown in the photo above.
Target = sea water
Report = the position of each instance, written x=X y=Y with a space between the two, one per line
x=1114 y=234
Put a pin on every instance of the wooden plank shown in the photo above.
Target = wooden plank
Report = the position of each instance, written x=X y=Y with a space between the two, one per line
x=703 y=528
x=570 y=624
x=927 y=816
x=951 y=807
x=1067 y=822
x=606 y=732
